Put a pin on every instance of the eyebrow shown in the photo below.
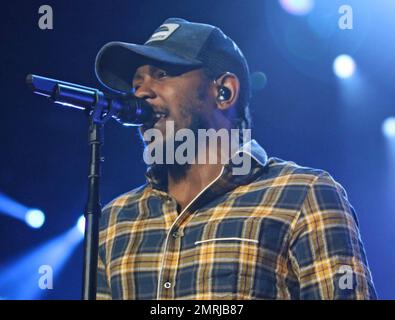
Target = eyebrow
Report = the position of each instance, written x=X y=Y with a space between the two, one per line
x=138 y=76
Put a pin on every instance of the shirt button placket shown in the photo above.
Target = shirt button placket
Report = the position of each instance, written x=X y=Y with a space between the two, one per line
x=175 y=234
x=168 y=277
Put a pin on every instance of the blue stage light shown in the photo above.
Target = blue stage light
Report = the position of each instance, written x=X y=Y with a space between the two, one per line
x=81 y=224
x=35 y=218
x=22 y=277
x=297 y=7
x=344 y=66
x=389 y=127
x=12 y=208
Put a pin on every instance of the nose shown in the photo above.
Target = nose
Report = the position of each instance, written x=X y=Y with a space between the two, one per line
x=145 y=90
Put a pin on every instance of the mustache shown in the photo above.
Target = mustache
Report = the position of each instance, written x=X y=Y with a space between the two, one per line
x=158 y=113
x=158 y=109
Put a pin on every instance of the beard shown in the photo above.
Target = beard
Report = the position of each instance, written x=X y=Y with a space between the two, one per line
x=197 y=121
x=192 y=116
x=193 y=119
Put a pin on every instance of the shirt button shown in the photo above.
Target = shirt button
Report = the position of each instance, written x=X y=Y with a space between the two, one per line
x=167 y=285
x=175 y=234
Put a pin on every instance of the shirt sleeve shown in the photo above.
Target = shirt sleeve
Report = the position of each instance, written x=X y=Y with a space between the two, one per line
x=103 y=288
x=326 y=251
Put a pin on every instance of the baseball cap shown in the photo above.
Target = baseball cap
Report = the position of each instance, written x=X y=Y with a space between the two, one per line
x=176 y=42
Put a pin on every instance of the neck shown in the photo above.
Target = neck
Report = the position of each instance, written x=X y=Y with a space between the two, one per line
x=186 y=182
x=196 y=178
x=185 y=187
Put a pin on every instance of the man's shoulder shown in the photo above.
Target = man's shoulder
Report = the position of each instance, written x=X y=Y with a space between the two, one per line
x=290 y=172
x=289 y=176
x=126 y=201
x=126 y=198
x=295 y=184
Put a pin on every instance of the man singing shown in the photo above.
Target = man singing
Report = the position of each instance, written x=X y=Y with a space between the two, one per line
x=250 y=227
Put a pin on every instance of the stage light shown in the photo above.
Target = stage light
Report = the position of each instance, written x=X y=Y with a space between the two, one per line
x=81 y=224
x=344 y=66
x=35 y=218
x=21 y=278
x=297 y=7
x=389 y=127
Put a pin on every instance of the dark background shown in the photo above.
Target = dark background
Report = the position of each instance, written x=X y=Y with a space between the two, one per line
x=304 y=114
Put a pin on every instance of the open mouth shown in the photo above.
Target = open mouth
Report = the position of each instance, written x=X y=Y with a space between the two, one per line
x=159 y=116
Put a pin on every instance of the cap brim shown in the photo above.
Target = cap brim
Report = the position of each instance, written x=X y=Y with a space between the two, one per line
x=117 y=62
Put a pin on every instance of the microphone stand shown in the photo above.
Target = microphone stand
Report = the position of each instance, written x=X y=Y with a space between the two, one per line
x=99 y=108
x=98 y=115
x=92 y=211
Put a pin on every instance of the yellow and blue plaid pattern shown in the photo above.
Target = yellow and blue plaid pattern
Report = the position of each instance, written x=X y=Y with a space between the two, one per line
x=281 y=231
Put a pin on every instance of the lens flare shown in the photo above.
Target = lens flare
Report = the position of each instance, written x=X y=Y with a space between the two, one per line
x=81 y=224
x=344 y=66
x=389 y=128
x=297 y=7
x=35 y=218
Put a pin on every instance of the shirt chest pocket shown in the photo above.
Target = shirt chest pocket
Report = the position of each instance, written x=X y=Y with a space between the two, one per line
x=228 y=254
x=227 y=251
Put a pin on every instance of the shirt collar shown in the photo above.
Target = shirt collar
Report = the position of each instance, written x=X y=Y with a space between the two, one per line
x=255 y=151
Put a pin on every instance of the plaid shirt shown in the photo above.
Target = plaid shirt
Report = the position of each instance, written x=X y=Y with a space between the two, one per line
x=281 y=231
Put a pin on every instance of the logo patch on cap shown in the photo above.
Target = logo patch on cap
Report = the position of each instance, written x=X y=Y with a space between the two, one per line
x=163 y=32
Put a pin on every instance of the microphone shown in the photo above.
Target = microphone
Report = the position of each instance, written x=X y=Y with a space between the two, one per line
x=126 y=109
